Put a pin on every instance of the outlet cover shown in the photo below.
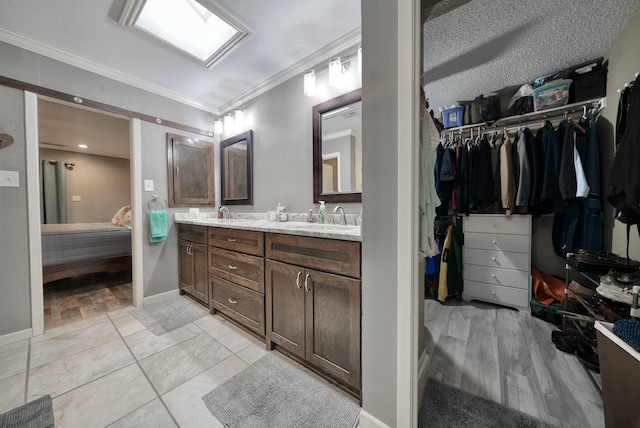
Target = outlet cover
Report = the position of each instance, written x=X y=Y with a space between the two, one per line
x=9 y=179
x=148 y=185
x=76 y=198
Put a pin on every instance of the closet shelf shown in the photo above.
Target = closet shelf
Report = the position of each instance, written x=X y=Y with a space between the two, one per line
x=595 y=103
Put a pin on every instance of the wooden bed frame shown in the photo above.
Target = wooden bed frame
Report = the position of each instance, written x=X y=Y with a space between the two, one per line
x=110 y=264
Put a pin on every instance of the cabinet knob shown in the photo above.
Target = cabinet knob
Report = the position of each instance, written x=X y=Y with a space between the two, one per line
x=232 y=301
x=306 y=282
x=231 y=240
x=232 y=267
x=493 y=258
x=493 y=275
x=298 y=281
x=493 y=292
x=494 y=242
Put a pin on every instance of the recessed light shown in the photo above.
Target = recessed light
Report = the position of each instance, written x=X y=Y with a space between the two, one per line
x=83 y=146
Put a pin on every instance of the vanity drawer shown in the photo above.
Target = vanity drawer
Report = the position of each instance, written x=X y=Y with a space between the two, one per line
x=491 y=275
x=328 y=255
x=497 y=241
x=240 y=268
x=496 y=259
x=506 y=296
x=244 y=241
x=510 y=225
x=239 y=303
x=192 y=233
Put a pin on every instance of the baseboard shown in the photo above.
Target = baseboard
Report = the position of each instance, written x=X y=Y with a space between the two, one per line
x=159 y=297
x=423 y=362
x=15 y=337
x=367 y=420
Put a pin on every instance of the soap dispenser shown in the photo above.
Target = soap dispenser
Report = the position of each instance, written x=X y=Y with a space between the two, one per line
x=321 y=212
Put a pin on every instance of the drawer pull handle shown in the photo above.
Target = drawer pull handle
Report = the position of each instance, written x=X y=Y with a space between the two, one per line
x=493 y=258
x=232 y=267
x=298 y=281
x=306 y=282
x=231 y=240
x=232 y=301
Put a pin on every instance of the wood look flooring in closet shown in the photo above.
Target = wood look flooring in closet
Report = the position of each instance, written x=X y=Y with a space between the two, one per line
x=85 y=296
x=508 y=357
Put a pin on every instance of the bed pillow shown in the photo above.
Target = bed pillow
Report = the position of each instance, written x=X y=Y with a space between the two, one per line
x=123 y=217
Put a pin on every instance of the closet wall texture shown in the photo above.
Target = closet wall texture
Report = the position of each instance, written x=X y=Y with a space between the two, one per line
x=624 y=63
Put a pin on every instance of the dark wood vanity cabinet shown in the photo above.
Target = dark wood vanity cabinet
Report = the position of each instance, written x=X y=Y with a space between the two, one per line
x=192 y=262
x=236 y=276
x=312 y=314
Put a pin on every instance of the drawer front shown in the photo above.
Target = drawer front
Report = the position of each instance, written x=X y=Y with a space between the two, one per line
x=240 y=268
x=496 y=259
x=505 y=277
x=327 y=255
x=506 y=296
x=509 y=225
x=498 y=242
x=192 y=233
x=239 y=303
x=244 y=241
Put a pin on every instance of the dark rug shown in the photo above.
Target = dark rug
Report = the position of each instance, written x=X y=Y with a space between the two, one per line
x=168 y=314
x=275 y=393
x=444 y=406
x=35 y=414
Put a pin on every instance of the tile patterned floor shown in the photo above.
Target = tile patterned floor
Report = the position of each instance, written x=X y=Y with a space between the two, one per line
x=110 y=371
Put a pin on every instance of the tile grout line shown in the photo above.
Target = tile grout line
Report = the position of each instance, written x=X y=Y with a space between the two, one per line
x=145 y=376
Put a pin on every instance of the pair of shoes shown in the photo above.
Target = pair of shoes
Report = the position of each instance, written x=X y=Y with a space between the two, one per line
x=615 y=292
x=579 y=289
x=605 y=259
x=589 y=357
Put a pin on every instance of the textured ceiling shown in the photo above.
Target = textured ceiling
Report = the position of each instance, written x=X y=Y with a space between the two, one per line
x=486 y=45
x=284 y=32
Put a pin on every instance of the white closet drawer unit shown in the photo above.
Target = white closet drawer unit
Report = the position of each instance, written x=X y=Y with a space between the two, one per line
x=497 y=259
x=497 y=241
x=490 y=275
x=494 y=293
x=489 y=223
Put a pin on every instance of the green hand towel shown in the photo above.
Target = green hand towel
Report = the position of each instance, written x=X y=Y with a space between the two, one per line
x=157 y=225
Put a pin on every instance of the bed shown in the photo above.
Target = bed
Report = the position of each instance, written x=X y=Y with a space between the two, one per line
x=81 y=248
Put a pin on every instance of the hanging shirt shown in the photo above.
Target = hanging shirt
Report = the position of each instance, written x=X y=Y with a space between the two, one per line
x=428 y=198
x=582 y=188
x=507 y=182
x=524 y=180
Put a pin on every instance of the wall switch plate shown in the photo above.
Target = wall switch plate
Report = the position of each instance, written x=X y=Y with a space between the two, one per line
x=194 y=210
x=9 y=179
x=76 y=198
x=148 y=185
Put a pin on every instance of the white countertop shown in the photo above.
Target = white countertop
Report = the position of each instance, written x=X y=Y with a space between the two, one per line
x=607 y=330
x=316 y=230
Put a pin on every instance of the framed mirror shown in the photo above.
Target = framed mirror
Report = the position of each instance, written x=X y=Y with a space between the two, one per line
x=236 y=167
x=337 y=149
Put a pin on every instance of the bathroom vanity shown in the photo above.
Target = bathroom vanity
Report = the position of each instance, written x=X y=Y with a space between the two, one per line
x=296 y=284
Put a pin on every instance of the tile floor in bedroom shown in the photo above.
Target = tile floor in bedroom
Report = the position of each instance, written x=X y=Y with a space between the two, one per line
x=109 y=370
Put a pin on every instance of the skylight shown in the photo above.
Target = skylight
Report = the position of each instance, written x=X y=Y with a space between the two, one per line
x=204 y=33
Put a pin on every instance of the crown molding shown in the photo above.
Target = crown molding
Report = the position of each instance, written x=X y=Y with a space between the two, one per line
x=332 y=49
x=93 y=67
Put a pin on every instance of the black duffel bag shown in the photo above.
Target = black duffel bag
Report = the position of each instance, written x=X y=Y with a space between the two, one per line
x=485 y=109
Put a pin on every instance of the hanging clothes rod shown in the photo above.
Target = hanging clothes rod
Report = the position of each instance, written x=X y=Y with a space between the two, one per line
x=626 y=85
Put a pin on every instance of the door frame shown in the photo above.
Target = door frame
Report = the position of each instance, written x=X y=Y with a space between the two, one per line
x=33 y=204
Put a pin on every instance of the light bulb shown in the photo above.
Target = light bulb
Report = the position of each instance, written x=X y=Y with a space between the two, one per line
x=335 y=72
x=310 y=84
x=239 y=119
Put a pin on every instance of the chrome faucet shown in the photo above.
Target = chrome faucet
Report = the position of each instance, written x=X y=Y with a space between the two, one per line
x=344 y=217
x=222 y=209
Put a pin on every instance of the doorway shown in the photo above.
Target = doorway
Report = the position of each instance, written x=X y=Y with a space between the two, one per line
x=99 y=283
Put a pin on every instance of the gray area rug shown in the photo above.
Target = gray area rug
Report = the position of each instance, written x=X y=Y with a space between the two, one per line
x=444 y=406
x=168 y=314
x=35 y=414
x=276 y=393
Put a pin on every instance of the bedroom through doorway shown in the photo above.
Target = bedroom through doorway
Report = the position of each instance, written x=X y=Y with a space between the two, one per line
x=84 y=166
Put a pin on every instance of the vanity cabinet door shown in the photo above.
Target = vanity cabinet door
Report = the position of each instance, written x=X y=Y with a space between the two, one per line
x=193 y=270
x=333 y=325
x=285 y=307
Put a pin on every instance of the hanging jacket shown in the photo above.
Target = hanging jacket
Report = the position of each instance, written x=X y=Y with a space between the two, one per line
x=567 y=180
x=486 y=191
x=428 y=198
x=507 y=182
x=524 y=180
x=550 y=197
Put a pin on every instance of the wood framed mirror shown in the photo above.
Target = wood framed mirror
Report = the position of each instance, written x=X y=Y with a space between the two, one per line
x=337 y=149
x=236 y=167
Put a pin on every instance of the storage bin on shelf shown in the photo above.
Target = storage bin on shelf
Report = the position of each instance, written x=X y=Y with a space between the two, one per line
x=453 y=117
x=550 y=95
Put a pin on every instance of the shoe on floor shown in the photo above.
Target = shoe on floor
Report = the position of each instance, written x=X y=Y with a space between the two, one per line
x=610 y=291
x=579 y=289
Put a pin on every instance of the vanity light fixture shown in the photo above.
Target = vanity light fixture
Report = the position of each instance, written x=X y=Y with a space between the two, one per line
x=310 y=84
x=83 y=146
x=239 y=119
x=335 y=72
x=228 y=124
x=218 y=127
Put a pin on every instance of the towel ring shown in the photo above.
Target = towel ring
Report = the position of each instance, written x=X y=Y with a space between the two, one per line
x=155 y=199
